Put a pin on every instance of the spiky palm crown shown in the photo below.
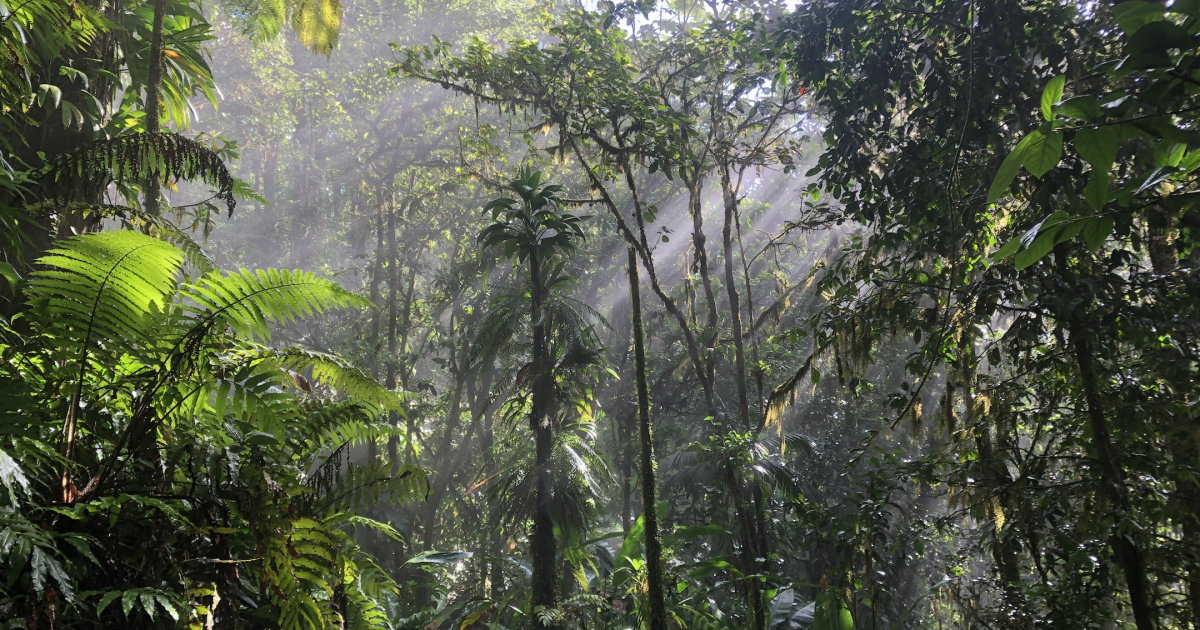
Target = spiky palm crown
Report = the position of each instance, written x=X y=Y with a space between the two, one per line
x=534 y=224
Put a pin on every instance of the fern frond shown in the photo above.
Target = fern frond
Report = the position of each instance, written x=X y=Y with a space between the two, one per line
x=135 y=158
x=131 y=218
x=360 y=486
x=336 y=425
x=104 y=285
x=338 y=374
x=247 y=300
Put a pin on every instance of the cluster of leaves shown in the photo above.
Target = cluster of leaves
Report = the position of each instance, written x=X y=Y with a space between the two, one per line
x=174 y=415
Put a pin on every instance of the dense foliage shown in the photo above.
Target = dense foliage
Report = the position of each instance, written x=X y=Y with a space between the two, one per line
x=830 y=314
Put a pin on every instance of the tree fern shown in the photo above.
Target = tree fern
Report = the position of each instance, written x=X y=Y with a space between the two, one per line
x=104 y=285
x=247 y=301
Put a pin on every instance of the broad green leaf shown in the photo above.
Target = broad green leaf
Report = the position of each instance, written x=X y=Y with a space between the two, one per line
x=1051 y=95
x=1007 y=250
x=1085 y=108
x=1050 y=235
x=1045 y=224
x=1097 y=145
x=9 y=273
x=1158 y=36
x=168 y=606
x=1096 y=231
x=148 y=603
x=1169 y=154
x=108 y=598
x=1012 y=164
x=1096 y=191
x=128 y=599
x=1189 y=163
x=1146 y=60
x=1044 y=153
x=831 y=613
x=1036 y=250
x=1133 y=14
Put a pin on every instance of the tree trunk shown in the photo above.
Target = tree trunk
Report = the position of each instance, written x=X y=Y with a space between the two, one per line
x=696 y=208
x=653 y=545
x=1005 y=549
x=153 y=93
x=542 y=544
x=404 y=375
x=1111 y=481
x=376 y=278
x=735 y=311
x=393 y=282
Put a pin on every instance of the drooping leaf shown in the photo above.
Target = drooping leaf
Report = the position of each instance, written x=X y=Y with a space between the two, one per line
x=1097 y=145
x=1096 y=191
x=1051 y=95
x=1010 y=167
x=1043 y=153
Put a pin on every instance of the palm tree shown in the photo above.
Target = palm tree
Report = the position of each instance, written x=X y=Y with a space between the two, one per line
x=535 y=228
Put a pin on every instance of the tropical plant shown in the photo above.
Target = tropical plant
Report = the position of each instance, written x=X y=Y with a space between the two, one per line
x=533 y=228
x=172 y=410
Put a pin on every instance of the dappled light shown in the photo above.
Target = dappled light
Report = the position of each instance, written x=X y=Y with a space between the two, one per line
x=576 y=315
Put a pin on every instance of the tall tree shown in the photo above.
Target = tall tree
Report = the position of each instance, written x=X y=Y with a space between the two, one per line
x=534 y=228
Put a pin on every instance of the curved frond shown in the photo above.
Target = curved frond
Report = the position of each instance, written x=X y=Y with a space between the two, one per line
x=135 y=158
x=247 y=300
x=338 y=374
x=104 y=285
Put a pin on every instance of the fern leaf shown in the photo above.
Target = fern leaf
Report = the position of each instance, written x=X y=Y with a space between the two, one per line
x=135 y=158
x=104 y=285
x=247 y=300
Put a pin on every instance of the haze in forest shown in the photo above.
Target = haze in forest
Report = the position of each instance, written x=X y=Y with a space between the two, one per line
x=413 y=314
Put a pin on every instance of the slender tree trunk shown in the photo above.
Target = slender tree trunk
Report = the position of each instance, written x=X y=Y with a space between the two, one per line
x=735 y=311
x=393 y=282
x=376 y=277
x=753 y=519
x=626 y=483
x=487 y=441
x=1111 y=480
x=696 y=209
x=153 y=98
x=1127 y=550
x=410 y=422
x=543 y=547
x=1005 y=549
x=445 y=459
x=654 y=575
x=751 y=329
x=648 y=261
